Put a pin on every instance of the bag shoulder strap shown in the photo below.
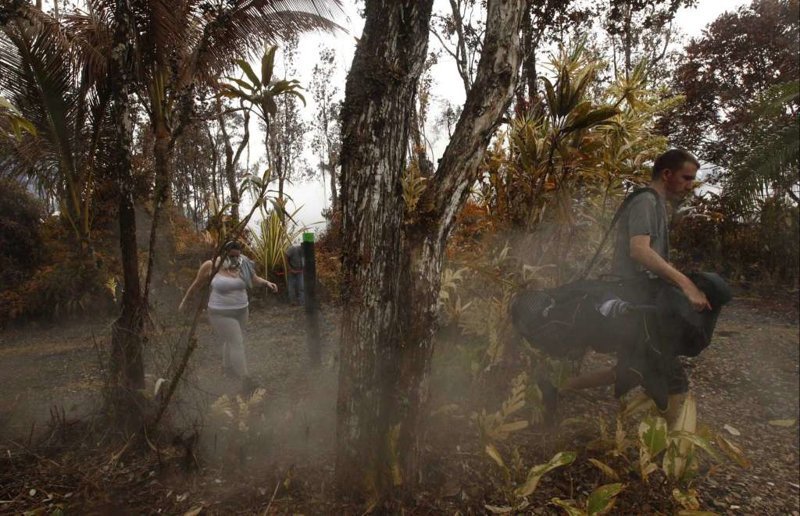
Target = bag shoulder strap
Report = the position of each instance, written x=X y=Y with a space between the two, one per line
x=625 y=203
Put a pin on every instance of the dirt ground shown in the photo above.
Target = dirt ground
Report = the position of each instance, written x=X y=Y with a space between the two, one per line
x=748 y=379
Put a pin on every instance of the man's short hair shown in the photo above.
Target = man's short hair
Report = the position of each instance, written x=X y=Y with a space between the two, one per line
x=673 y=159
x=232 y=244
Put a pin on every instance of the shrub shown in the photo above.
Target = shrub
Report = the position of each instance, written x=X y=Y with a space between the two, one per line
x=20 y=234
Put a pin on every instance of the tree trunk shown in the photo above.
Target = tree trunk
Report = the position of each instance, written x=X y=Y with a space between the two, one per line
x=230 y=172
x=163 y=177
x=232 y=158
x=628 y=43
x=376 y=116
x=392 y=258
x=127 y=367
x=332 y=162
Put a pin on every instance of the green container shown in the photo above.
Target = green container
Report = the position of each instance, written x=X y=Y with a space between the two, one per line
x=308 y=237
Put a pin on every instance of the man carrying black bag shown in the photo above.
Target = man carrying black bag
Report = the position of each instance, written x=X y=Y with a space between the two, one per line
x=641 y=262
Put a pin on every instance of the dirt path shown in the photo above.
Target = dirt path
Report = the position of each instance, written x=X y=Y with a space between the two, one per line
x=747 y=378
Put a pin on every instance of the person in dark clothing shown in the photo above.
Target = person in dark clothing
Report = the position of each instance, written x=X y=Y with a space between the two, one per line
x=641 y=256
x=294 y=274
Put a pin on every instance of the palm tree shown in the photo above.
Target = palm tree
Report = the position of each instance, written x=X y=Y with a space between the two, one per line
x=261 y=94
x=163 y=52
x=181 y=47
x=173 y=49
x=768 y=161
x=66 y=108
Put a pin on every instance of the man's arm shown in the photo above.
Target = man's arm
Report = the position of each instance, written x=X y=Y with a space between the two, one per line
x=650 y=260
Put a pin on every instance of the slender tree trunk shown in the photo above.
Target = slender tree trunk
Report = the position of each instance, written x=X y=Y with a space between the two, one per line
x=230 y=172
x=232 y=158
x=163 y=176
x=628 y=42
x=127 y=367
x=524 y=97
x=392 y=258
x=332 y=162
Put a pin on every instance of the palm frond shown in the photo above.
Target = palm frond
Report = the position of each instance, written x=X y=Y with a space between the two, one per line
x=92 y=36
x=37 y=73
x=242 y=27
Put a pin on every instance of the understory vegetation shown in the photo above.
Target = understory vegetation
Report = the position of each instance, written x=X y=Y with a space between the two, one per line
x=126 y=131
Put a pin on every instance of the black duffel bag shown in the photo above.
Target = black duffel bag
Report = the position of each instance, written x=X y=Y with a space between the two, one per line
x=566 y=320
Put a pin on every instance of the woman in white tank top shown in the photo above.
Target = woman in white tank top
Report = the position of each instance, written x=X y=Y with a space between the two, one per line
x=228 y=306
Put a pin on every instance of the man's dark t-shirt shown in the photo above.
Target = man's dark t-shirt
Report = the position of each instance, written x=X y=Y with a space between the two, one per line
x=646 y=214
x=294 y=257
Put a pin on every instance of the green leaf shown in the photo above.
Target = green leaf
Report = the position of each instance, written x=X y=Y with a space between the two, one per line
x=591 y=119
x=268 y=64
x=696 y=440
x=537 y=472
x=298 y=95
x=602 y=499
x=243 y=84
x=245 y=66
x=653 y=435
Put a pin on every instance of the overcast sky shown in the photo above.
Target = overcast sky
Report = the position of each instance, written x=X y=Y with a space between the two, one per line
x=311 y=195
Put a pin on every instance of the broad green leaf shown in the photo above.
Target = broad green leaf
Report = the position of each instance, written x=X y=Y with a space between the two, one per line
x=602 y=499
x=268 y=64
x=298 y=95
x=243 y=84
x=568 y=506
x=537 y=472
x=653 y=435
x=598 y=116
x=695 y=440
x=245 y=66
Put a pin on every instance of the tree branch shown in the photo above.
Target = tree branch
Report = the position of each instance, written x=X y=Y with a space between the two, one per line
x=487 y=100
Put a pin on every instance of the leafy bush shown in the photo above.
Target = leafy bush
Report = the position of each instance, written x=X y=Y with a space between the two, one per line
x=763 y=248
x=64 y=281
x=20 y=234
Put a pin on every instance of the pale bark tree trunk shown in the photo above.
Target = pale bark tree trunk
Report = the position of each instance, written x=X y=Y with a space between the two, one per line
x=392 y=258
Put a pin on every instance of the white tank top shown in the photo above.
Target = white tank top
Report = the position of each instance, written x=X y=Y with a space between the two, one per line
x=227 y=293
